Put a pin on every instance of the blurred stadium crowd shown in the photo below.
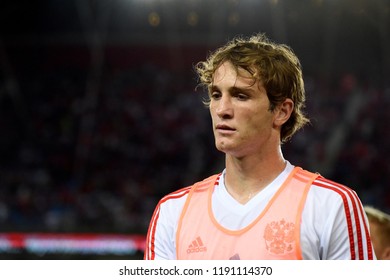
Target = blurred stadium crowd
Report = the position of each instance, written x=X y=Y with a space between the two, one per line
x=71 y=162
x=77 y=162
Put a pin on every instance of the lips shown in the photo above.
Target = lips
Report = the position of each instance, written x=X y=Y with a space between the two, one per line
x=224 y=127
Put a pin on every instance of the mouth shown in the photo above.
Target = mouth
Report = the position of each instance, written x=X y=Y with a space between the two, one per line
x=224 y=128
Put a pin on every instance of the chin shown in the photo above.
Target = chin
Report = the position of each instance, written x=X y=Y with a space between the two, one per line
x=220 y=147
x=223 y=147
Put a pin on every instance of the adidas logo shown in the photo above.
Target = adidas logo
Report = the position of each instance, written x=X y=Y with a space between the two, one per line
x=196 y=246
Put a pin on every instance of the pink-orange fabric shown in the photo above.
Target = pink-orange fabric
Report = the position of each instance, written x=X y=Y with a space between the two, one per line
x=274 y=234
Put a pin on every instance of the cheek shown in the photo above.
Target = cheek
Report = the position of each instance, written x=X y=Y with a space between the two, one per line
x=212 y=114
x=211 y=107
x=259 y=121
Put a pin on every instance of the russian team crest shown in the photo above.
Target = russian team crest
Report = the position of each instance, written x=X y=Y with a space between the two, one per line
x=279 y=237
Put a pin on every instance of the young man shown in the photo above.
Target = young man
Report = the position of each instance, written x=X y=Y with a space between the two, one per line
x=380 y=231
x=260 y=206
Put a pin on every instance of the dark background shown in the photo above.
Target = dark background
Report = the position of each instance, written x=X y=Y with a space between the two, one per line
x=99 y=115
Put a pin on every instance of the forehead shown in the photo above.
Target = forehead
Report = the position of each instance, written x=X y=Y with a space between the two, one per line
x=237 y=75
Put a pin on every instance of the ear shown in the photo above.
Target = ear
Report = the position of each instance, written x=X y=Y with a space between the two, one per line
x=283 y=112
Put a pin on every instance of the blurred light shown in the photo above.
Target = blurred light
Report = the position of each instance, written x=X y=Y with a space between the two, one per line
x=154 y=19
x=192 y=18
x=42 y=243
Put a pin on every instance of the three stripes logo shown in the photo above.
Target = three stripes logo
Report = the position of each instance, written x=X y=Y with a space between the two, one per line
x=196 y=246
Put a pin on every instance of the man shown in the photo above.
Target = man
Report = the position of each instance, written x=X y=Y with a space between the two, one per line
x=380 y=231
x=260 y=206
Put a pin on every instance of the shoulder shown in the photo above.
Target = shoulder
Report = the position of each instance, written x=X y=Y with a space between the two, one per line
x=324 y=187
x=161 y=236
x=333 y=195
x=179 y=196
x=335 y=219
x=324 y=183
x=326 y=191
x=333 y=203
x=169 y=208
x=176 y=195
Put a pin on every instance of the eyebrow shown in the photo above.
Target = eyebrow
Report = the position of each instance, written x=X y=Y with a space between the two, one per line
x=233 y=89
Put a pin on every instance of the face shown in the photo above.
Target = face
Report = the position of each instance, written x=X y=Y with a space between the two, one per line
x=240 y=110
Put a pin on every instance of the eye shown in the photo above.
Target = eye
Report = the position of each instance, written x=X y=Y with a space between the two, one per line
x=215 y=95
x=242 y=96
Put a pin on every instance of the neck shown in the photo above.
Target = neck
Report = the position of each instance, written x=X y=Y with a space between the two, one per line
x=245 y=177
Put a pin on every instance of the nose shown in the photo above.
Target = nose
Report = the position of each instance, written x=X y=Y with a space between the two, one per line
x=224 y=108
